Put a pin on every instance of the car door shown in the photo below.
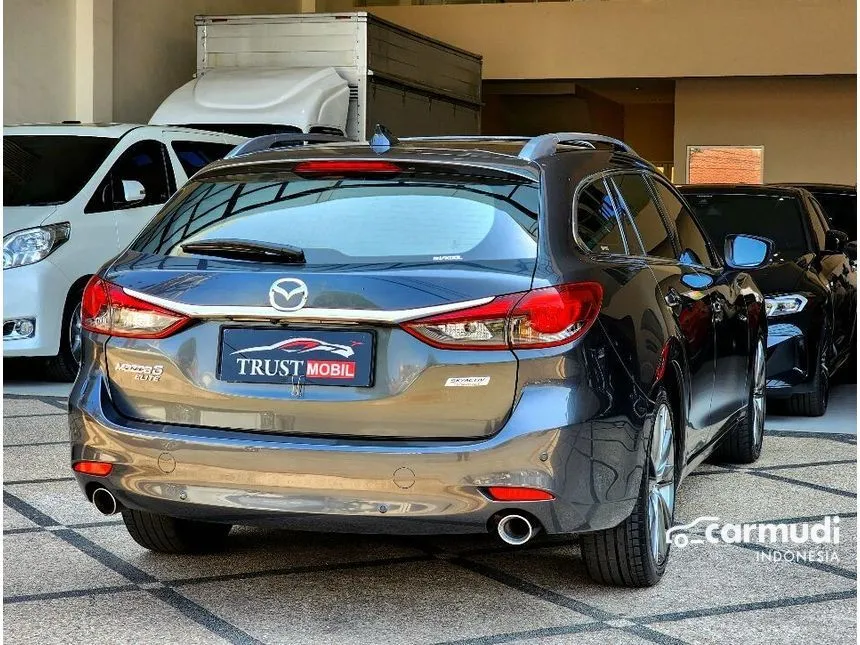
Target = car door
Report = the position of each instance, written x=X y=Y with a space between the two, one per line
x=687 y=291
x=834 y=270
x=732 y=339
x=143 y=165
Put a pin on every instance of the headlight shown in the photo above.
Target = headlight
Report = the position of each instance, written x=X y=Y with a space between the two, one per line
x=33 y=244
x=784 y=305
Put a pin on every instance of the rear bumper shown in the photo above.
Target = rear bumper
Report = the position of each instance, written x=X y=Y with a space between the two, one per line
x=594 y=468
x=788 y=361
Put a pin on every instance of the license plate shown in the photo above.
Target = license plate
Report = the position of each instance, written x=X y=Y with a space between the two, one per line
x=297 y=355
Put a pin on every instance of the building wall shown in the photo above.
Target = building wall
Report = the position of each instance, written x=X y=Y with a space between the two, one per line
x=38 y=60
x=645 y=38
x=155 y=47
x=808 y=126
x=649 y=128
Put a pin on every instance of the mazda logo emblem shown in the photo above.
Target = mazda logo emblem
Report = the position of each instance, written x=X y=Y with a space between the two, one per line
x=288 y=294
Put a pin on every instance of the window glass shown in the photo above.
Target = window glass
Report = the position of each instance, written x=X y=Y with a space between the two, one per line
x=841 y=211
x=596 y=222
x=144 y=162
x=409 y=217
x=193 y=155
x=646 y=215
x=777 y=217
x=694 y=248
x=36 y=168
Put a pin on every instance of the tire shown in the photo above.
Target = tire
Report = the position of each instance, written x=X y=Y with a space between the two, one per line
x=813 y=404
x=624 y=555
x=65 y=365
x=164 y=534
x=742 y=444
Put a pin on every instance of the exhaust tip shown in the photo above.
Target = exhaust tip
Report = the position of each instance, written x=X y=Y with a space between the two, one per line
x=105 y=502
x=515 y=530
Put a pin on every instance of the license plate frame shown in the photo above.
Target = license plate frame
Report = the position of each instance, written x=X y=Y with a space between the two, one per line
x=328 y=362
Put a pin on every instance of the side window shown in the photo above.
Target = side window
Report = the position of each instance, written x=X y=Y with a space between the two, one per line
x=193 y=155
x=596 y=220
x=145 y=162
x=694 y=247
x=646 y=215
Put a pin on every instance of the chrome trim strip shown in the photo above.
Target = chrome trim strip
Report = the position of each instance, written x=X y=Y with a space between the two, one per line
x=307 y=313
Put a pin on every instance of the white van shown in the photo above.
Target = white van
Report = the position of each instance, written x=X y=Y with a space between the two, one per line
x=74 y=196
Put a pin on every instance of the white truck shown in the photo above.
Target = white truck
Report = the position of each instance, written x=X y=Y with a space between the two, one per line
x=335 y=73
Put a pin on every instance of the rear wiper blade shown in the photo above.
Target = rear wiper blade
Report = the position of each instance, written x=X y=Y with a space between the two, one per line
x=246 y=250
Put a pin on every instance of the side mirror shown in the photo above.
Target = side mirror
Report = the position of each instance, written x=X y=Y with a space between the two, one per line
x=132 y=191
x=835 y=241
x=747 y=251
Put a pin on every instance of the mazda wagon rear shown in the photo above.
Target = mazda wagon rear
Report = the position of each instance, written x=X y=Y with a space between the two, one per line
x=412 y=339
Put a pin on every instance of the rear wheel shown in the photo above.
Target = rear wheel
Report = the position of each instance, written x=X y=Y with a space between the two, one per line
x=165 y=534
x=813 y=404
x=65 y=365
x=634 y=553
x=742 y=445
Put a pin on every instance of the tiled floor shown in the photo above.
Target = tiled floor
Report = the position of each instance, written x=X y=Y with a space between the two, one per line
x=72 y=575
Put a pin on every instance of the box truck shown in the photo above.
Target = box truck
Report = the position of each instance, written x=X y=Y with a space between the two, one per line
x=336 y=73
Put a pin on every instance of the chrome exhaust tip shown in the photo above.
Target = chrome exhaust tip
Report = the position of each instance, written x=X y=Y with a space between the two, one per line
x=105 y=502
x=515 y=530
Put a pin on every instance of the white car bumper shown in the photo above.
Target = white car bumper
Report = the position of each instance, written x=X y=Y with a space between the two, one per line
x=37 y=291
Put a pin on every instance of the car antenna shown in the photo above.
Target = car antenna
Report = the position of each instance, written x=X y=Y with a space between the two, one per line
x=382 y=139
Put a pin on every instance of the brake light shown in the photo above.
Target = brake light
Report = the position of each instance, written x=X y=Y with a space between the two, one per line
x=335 y=167
x=527 y=320
x=107 y=309
x=97 y=468
x=518 y=494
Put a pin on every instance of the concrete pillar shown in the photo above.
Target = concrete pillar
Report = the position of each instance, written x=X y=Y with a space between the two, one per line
x=93 y=60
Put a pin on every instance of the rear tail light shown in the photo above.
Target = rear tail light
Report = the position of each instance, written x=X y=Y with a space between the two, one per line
x=518 y=494
x=107 y=309
x=96 y=468
x=527 y=320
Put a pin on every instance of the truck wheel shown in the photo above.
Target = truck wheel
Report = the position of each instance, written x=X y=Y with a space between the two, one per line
x=742 y=444
x=813 y=404
x=634 y=553
x=165 y=534
x=65 y=365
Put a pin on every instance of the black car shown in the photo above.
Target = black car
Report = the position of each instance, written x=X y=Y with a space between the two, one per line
x=420 y=336
x=810 y=287
x=839 y=203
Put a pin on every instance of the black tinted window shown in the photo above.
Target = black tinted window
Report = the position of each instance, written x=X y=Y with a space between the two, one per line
x=841 y=211
x=646 y=216
x=597 y=225
x=193 y=155
x=694 y=248
x=774 y=216
x=49 y=169
x=357 y=219
x=144 y=162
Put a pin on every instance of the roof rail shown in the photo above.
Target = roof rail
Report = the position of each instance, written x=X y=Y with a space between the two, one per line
x=546 y=144
x=269 y=141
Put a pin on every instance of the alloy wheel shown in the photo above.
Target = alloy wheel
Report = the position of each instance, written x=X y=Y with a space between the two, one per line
x=75 y=336
x=758 y=393
x=661 y=483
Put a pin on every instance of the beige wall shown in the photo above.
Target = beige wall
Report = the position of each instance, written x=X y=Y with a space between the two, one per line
x=649 y=128
x=638 y=38
x=807 y=126
x=38 y=60
x=155 y=47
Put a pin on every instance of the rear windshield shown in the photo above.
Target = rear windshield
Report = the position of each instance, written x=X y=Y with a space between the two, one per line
x=357 y=220
x=776 y=217
x=39 y=170
x=841 y=211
